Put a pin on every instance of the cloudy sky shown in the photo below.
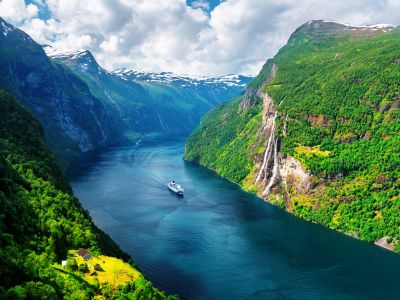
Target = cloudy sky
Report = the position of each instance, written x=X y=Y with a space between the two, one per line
x=188 y=37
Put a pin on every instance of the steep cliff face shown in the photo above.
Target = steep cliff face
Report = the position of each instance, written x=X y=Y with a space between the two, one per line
x=310 y=132
x=74 y=120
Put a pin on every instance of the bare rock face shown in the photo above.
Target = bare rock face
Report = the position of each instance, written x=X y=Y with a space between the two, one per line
x=268 y=171
x=294 y=176
x=272 y=168
x=268 y=174
x=384 y=242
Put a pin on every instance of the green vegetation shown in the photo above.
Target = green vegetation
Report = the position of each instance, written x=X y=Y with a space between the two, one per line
x=114 y=277
x=339 y=96
x=40 y=220
x=223 y=140
x=112 y=271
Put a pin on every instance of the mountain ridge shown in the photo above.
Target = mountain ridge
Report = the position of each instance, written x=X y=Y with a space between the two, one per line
x=331 y=28
x=150 y=104
x=86 y=58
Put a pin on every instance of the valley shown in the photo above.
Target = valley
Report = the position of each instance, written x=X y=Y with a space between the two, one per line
x=86 y=152
x=54 y=108
x=83 y=107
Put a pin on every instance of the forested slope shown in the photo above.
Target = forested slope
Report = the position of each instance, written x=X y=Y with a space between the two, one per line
x=40 y=219
x=336 y=94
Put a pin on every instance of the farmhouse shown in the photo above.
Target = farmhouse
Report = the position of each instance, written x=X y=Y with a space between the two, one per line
x=84 y=254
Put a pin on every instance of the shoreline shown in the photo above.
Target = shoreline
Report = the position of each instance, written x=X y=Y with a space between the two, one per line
x=381 y=243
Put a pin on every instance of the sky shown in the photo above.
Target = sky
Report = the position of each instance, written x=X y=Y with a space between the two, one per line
x=198 y=37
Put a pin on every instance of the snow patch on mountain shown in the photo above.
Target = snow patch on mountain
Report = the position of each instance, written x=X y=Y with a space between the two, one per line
x=85 y=60
x=182 y=79
x=384 y=27
x=6 y=28
x=66 y=53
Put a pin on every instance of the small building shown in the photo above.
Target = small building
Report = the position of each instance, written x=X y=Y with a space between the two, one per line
x=87 y=256
x=84 y=254
x=64 y=263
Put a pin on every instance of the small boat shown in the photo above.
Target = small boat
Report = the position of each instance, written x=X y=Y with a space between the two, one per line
x=176 y=188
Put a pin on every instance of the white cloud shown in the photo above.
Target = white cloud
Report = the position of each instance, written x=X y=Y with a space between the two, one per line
x=17 y=11
x=201 y=4
x=237 y=36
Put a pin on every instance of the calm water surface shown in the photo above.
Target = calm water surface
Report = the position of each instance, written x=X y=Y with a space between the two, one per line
x=219 y=242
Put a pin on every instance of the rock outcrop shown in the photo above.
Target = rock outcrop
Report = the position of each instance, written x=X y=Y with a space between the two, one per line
x=273 y=169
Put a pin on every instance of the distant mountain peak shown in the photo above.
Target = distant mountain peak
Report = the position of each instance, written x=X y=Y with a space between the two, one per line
x=182 y=79
x=372 y=26
x=329 y=28
x=83 y=59
x=70 y=53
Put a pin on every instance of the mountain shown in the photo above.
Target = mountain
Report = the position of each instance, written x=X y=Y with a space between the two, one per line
x=317 y=131
x=213 y=89
x=42 y=223
x=83 y=106
x=150 y=105
x=72 y=117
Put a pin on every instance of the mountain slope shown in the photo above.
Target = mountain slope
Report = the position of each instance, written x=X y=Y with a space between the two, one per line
x=150 y=104
x=72 y=118
x=211 y=90
x=40 y=219
x=83 y=107
x=317 y=131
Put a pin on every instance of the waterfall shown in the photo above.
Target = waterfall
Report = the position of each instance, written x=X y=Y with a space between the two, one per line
x=275 y=170
x=285 y=125
x=267 y=153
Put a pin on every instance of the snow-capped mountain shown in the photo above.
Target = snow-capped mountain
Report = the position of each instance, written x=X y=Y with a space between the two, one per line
x=84 y=61
x=183 y=80
x=374 y=27
x=81 y=59
x=331 y=28
x=150 y=104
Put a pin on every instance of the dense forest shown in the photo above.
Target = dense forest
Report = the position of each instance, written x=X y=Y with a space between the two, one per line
x=41 y=221
x=337 y=94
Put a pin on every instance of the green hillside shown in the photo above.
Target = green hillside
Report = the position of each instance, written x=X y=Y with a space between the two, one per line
x=40 y=220
x=337 y=96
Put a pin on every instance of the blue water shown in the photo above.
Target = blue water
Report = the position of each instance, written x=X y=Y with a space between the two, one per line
x=219 y=242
